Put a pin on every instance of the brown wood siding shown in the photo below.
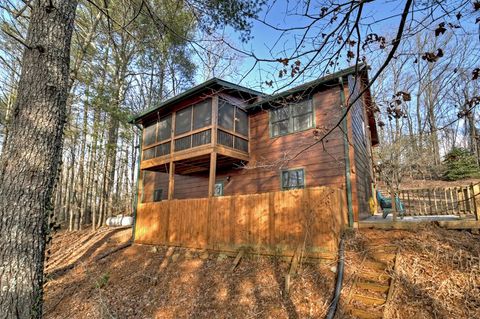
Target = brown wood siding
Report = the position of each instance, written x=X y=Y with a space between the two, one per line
x=324 y=164
x=186 y=186
x=362 y=150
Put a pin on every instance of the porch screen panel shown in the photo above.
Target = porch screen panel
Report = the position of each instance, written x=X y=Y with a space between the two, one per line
x=162 y=149
x=149 y=134
x=225 y=115
x=225 y=138
x=183 y=143
x=241 y=144
x=241 y=121
x=164 y=128
x=183 y=121
x=149 y=153
x=201 y=138
x=202 y=115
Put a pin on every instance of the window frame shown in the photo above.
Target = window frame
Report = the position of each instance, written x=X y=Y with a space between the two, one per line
x=291 y=170
x=222 y=183
x=161 y=195
x=291 y=117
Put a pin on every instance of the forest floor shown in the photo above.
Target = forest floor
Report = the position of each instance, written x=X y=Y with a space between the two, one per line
x=438 y=277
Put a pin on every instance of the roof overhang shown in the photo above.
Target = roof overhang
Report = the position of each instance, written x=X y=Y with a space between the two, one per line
x=210 y=87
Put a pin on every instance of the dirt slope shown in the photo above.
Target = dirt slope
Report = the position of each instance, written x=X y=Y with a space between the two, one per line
x=438 y=277
x=156 y=282
x=438 y=272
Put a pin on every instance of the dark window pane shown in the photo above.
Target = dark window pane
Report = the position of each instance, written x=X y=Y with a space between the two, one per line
x=241 y=122
x=279 y=114
x=302 y=108
x=302 y=122
x=201 y=138
x=183 y=143
x=293 y=179
x=225 y=115
x=164 y=128
x=183 y=121
x=202 y=115
x=225 y=138
x=149 y=153
x=157 y=195
x=280 y=128
x=162 y=149
x=218 y=189
x=241 y=144
x=149 y=134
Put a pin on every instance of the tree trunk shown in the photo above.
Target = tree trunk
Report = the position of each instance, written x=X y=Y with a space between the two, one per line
x=31 y=155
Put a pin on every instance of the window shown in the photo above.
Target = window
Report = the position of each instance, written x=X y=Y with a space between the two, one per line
x=294 y=178
x=241 y=121
x=157 y=195
x=218 y=189
x=291 y=118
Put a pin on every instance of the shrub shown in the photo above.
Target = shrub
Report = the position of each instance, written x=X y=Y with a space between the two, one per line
x=460 y=164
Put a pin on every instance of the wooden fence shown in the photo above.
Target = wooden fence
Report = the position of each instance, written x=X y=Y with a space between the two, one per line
x=462 y=201
x=275 y=222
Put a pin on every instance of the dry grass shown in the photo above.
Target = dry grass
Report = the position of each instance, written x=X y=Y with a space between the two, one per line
x=156 y=282
x=438 y=277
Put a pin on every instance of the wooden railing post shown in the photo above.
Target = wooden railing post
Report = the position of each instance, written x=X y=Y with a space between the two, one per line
x=476 y=200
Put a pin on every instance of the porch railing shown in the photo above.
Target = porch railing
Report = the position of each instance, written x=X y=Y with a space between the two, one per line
x=462 y=201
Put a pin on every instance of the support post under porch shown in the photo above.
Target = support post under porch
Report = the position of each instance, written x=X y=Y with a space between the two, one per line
x=212 y=175
x=171 y=180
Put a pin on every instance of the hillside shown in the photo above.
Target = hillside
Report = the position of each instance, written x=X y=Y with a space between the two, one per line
x=438 y=276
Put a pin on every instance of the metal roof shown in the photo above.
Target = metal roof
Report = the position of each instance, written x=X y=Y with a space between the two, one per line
x=196 y=89
x=309 y=85
x=268 y=98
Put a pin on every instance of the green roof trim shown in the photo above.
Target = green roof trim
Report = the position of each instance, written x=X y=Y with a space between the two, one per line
x=196 y=89
x=309 y=85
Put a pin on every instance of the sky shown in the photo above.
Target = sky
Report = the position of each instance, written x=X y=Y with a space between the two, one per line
x=381 y=16
x=266 y=40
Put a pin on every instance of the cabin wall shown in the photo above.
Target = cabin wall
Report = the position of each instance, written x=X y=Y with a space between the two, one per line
x=324 y=163
x=186 y=186
x=360 y=138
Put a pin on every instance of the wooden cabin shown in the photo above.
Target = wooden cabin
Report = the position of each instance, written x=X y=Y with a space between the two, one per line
x=221 y=140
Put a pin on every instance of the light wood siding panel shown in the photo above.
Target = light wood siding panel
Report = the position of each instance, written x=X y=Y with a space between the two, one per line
x=361 y=144
x=275 y=222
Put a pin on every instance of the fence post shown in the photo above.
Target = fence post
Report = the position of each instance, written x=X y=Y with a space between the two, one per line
x=394 y=206
x=476 y=200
